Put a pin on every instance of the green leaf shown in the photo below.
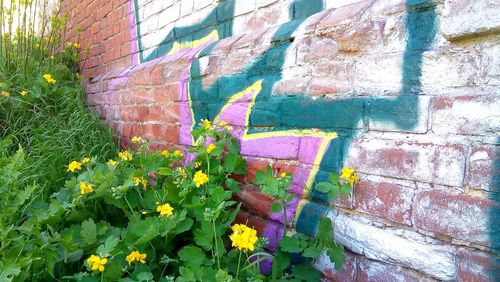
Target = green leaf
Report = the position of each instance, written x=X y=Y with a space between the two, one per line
x=324 y=187
x=233 y=185
x=324 y=234
x=312 y=252
x=150 y=233
x=192 y=255
x=264 y=177
x=291 y=245
x=145 y=276
x=89 y=231
x=108 y=246
x=336 y=255
x=204 y=237
x=275 y=208
x=305 y=272
x=8 y=273
x=334 y=178
x=183 y=226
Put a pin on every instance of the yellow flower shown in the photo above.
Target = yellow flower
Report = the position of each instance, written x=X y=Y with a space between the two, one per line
x=178 y=153
x=52 y=57
x=125 y=156
x=48 y=77
x=5 y=93
x=164 y=153
x=243 y=237
x=140 y=180
x=85 y=188
x=206 y=123
x=136 y=256
x=283 y=174
x=74 y=165
x=349 y=175
x=85 y=160
x=46 y=39
x=165 y=209
x=112 y=162
x=23 y=93
x=223 y=123
x=97 y=263
x=76 y=45
x=197 y=164
x=70 y=44
x=200 y=178
x=211 y=147
x=136 y=139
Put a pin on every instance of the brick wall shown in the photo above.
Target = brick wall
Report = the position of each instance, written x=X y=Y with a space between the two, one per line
x=409 y=89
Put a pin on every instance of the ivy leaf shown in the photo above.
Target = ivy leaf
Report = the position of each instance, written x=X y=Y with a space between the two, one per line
x=192 y=255
x=89 y=231
x=108 y=246
x=312 y=252
x=291 y=245
x=276 y=208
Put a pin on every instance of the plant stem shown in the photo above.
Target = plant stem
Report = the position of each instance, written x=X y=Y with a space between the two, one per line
x=216 y=245
x=238 y=269
x=284 y=217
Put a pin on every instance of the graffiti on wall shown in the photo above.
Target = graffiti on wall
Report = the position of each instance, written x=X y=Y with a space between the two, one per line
x=317 y=132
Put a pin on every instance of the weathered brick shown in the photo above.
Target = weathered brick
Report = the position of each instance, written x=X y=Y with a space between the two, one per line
x=369 y=270
x=348 y=272
x=471 y=115
x=255 y=202
x=344 y=15
x=469 y=17
x=388 y=200
x=476 y=266
x=433 y=163
x=462 y=217
x=481 y=170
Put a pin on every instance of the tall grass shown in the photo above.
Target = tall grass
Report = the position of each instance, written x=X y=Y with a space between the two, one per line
x=50 y=121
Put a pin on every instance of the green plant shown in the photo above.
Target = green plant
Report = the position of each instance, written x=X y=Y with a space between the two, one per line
x=299 y=244
x=158 y=216
x=42 y=106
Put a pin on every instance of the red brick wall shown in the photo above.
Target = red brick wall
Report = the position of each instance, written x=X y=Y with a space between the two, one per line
x=423 y=209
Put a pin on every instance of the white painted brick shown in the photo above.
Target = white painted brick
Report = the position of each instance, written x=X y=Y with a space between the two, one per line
x=186 y=7
x=338 y=3
x=469 y=17
x=169 y=15
x=457 y=68
x=379 y=71
x=200 y=4
x=385 y=245
x=262 y=3
x=243 y=7
x=467 y=115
